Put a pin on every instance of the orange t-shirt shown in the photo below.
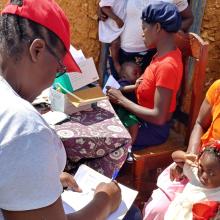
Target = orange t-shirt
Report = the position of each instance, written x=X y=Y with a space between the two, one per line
x=213 y=98
x=166 y=72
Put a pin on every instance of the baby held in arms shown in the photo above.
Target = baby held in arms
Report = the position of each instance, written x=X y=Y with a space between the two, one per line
x=200 y=198
x=129 y=78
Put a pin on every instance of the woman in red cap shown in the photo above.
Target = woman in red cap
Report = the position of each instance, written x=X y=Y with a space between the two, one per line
x=34 y=47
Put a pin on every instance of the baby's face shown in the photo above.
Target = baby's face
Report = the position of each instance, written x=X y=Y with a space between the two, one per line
x=209 y=170
x=132 y=73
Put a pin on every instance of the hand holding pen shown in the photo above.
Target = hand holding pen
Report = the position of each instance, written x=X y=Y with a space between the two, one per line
x=111 y=194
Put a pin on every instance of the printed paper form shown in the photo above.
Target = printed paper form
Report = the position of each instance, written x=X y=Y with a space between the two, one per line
x=89 y=74
x=54 y=117
x=77 y=54
x=88 y=179
x=112 y=82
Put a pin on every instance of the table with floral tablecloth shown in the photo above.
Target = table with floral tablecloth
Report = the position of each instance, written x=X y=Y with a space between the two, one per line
x=95 y=137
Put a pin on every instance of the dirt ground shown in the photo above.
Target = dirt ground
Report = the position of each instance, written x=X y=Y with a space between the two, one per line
x=83 y=18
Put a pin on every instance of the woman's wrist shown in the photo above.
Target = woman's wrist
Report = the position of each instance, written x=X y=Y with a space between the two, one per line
x=103 y=202
x=122 y=101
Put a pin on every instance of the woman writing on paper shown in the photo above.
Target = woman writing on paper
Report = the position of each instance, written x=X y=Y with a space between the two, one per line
x=34 y=39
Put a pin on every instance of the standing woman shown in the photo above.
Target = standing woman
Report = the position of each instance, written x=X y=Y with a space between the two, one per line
x=132 y=46
x=34 y=39
x=148 y=119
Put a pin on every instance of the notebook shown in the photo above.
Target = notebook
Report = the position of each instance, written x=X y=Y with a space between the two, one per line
x=88 y=179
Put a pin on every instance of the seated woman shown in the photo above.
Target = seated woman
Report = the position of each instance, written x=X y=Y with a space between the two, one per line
x=148 y=121
x=171 y=181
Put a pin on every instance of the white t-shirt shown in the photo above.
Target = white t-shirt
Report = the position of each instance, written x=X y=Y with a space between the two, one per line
x=131 y=37
x=31 y=155
x=109 y=30
x=194 y=192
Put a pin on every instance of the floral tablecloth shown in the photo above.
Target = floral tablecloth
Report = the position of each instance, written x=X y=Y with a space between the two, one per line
x=95 y=137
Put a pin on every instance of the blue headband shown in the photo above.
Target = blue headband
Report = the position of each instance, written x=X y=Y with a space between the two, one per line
x=164 y=13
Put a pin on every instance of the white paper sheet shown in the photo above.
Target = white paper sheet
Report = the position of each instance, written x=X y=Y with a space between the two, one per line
x=43 y=97
x=112 y=82
x=89 y=74
x=77 y=54
x=54 y=117
x=88 y=179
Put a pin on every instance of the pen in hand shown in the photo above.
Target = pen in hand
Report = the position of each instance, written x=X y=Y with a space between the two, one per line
x=115 y=174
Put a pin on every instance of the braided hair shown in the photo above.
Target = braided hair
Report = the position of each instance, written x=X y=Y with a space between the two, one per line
x=212 y=147
x=16 y=31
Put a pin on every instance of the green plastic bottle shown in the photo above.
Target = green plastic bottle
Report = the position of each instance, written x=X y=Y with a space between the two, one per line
x=64 y=81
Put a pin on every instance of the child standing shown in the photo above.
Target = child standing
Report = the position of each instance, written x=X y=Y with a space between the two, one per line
x=110 y=30
x=203 y=188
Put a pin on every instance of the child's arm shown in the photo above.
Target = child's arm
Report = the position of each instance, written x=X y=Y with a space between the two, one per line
x=115 y=47
x=109 y=12
x=131 y=88
x=128 y=89
x=181 y=157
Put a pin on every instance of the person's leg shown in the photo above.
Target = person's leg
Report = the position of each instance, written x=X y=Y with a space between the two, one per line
x=103 y=61
x=133 y=213
x=114 y=48
x=133 y=130
x=150 y=134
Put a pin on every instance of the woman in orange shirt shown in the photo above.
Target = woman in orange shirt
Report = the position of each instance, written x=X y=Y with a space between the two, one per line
x=206 y=128
x=148 y=119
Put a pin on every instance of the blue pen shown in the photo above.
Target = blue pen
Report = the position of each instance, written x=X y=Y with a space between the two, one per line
x=115 y=174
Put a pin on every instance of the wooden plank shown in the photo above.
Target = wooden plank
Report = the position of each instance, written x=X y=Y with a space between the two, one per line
x=198 y=9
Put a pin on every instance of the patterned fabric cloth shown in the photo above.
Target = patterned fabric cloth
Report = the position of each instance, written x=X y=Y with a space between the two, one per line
x=95 y=137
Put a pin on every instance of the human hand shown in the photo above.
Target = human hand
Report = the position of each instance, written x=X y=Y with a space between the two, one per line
x=67 y=180
x=114 y=95
x=191 y=159
x=138 y=81
x=102 y=16
x=119 y=22
x=176 y=173
x=113 y=192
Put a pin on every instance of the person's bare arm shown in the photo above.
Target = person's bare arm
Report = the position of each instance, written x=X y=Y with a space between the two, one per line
x=107 y=198
x=114 y=48
x=109 y=12
x=187 y=19
x=128 y=89
x=158 y=115
x=180 y=157
x=101 y=15
x=202 y=124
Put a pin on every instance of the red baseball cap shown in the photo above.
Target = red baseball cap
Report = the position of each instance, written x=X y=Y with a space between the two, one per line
x=48 y=14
